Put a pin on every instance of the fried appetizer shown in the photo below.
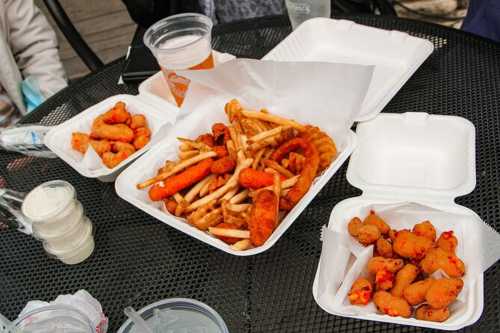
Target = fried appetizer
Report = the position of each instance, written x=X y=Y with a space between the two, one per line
x=353 y=226
x=368 y=234
x=443 y=292
x=324 y=145
x=408 y=245
x=425 y=312
x=437 y=258
x=425 y=229
x=404 y=278
x=361 y=292
x=384 y=248
x=392 y=305
x=380 y=263
x=263 y=216
x=384 y=279
x=374 y=219
x=447 y=241
x=415 y=292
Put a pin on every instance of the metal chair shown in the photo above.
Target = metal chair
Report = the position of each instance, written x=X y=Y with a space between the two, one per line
x=74 y=38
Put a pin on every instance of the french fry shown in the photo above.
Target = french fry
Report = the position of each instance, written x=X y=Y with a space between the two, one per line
x=179 y=167
x=183 y=155
x=234 y=137
x=194 y=144
x=287 y=183
x=195 y=190
x=234 y=233
x=274 y=165
x=272 y=119
x=231 y=149
x=257 y=157
x=263 y=143
x=244 y=143
x=230 y=194
x=206 y=187
x=181 y=207
x=184 y=146
x=209 y=220
x=231 y=183
x=238 y=208
x=239 y=197
x=277 y=184
x=178 y=198
x=266 y=134
x=240 y=156
x=242 y=245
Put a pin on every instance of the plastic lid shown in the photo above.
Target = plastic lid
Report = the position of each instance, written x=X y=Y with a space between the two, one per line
x=61 y=253
x=414 y=156
x=48 y=200
x=61 y=232
x=179 y=315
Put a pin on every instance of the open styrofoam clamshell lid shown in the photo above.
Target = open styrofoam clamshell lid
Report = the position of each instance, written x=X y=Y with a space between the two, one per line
x=329 y=96
x=159 y=120
x=395 y=55
x=410 y=167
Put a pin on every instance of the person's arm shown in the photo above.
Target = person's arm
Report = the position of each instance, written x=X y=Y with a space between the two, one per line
x=34 y=45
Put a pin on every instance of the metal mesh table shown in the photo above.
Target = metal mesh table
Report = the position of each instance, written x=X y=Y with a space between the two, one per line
x=139 y=260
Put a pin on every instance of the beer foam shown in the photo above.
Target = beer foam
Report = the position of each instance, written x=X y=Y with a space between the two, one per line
x=183 y=52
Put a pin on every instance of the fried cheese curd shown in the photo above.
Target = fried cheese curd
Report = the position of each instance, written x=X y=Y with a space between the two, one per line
x=392 y=305
x=361 y=292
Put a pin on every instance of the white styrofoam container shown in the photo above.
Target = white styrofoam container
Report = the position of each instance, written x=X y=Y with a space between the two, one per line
x=419 y=158
x=59 y=138
x=395 y=55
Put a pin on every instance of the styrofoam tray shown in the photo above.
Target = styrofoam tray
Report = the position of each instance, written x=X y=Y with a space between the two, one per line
x=396 y=55
x=411 y=159
x=59 y=138
x=146 y=166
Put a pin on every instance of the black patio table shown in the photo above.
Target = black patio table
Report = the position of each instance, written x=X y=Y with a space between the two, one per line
x=139 y=260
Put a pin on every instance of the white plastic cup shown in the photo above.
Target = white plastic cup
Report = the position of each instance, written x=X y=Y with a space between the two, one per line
x=181 y=42
x=300 y=11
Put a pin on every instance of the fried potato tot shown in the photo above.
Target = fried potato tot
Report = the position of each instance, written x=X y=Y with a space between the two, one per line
x=368 y=234
x=447 y=241
x=404 y=278
x=425 y=229
x=437 y=258
x=384 y=280
x=425 y=312
x=374 y=219
x=408 y=245
x=361 y=292
x=376 y=264
x=353 y=226
x=443 y=292
x=391 y=305
x=384 y=248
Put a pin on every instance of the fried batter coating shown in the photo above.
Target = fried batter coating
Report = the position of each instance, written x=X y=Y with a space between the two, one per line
x=443 y=292
x=361 y=292
x=228 y=240
x=409 y=245
x=307 y=175
x=120 y=152
x=404 y=278
x=142 y=137
x=368 y=234
x=384 y=280
x=447 y=241
x=80 y=142
x=384 y=248
x=437 y=258
x=138 y=121
x=324 y=145
x=170 y=205
x=207 y=139
x=425 y=229
x=374 y=219
x=391 y=305
x=295 y=162
x=118 y=132
x=354 y=225
x=263 y=216
x=392 y=235
x=380 y=263
x=116 y=115
x=255 y=179
x=220 y=133
x=101 y=146
x=425 y=312
x=415 y=292
x=223 y=165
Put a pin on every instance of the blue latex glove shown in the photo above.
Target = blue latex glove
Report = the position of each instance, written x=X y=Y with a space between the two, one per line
x=31 y=93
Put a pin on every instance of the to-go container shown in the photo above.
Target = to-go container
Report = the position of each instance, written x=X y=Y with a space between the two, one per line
x=58 y=220
x=411 y=166
x=179 y=315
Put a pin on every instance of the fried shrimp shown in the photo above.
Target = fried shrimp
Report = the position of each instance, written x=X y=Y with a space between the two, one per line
x=307 y=174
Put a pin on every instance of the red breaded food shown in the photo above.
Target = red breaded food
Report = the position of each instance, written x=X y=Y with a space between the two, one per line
x=361 y=292
x=437 y=258
x=374 y=219
x=392 y=305
x=425 y=229
x=408 y=245
x=447 y=241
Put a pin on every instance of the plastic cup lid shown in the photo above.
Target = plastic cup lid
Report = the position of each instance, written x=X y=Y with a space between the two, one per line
x=61 y=253
x=50 y=203
x=179 y=315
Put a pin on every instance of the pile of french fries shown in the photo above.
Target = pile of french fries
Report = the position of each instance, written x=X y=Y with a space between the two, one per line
x=218 y=204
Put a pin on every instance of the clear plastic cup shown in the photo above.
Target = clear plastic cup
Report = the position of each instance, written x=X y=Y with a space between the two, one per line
x=53 y=318
x=179 y=315
x=181 y=42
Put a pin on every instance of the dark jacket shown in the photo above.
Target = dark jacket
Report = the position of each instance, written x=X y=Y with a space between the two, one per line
x=147 y=12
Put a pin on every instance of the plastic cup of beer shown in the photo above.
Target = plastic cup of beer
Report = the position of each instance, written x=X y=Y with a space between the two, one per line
x=181 y=42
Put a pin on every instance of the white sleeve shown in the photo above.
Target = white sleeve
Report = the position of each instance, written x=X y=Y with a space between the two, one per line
x=34 y=45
